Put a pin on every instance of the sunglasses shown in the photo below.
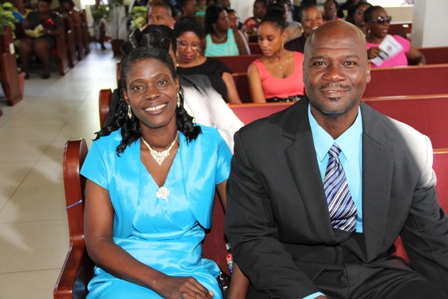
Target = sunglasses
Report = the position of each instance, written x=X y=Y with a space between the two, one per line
x=381 y=20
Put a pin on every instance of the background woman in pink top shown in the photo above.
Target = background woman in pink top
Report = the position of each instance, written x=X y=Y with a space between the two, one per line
x=277 y=76
x=377 y=23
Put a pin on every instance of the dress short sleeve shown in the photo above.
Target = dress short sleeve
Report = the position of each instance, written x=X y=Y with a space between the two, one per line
x=223 y=160
x=94 y=167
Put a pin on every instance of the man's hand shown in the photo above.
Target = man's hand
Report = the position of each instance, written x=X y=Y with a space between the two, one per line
x=181 y=287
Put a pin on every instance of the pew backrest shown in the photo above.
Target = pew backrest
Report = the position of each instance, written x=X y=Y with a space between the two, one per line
x=426 y=113
x=402 y=29
x=408 y=80
x=247 y=113
x=255 y=48
x=435 y=55
x=242 y=86
x=238 y=64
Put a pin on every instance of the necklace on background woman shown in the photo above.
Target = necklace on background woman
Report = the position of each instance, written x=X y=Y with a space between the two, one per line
x=219 y=39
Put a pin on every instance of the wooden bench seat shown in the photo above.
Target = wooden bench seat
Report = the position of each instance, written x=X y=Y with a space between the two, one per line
x=255 y=48
x=426 y=114
x=238 y=64
x=242 y=86
x=394 y=81
x=409 y=80
x=435 y=55
x=402 y=29
x=247 y=113
x=9 y=76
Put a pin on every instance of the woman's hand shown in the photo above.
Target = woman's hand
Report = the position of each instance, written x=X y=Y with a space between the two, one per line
x=373 y=52
x=173 y=287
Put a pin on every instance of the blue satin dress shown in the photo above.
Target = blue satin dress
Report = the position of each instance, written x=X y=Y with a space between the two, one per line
x=165 y=235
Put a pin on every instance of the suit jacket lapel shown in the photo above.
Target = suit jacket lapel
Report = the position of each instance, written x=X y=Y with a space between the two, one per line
x=306 y=173
x=377 y=172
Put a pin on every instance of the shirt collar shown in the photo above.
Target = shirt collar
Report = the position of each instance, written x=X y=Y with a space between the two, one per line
x=347 y=142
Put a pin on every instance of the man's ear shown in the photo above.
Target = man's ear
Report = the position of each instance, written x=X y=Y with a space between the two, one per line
x=369 y=67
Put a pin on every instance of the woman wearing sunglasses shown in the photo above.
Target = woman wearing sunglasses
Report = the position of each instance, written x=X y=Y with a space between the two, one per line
x=377 y=22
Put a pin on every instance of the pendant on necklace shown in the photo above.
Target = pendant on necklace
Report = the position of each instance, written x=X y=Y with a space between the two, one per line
x=163 y=193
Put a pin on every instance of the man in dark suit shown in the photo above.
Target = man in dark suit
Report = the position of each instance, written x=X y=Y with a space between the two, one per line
x=318 y=193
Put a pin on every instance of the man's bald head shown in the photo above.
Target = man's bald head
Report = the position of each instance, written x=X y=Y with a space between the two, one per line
x=340 y=32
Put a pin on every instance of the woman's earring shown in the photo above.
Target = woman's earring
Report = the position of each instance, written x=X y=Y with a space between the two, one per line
x=129 y=112
x=178 y=99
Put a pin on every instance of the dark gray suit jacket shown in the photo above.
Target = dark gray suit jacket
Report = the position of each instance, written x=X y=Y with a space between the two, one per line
x=277 y=218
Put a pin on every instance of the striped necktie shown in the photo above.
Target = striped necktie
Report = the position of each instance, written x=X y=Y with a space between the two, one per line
x=340 y=203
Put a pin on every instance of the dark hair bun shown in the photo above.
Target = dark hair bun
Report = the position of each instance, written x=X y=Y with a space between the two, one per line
x=138 y=39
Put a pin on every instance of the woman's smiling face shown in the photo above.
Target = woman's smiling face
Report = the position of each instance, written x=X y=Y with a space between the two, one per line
x=151 y=91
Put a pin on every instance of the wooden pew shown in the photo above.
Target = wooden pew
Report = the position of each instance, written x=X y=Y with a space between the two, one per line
x=105 y=97
x=252 y=38
x=242 y=86
x=247 y=113
x=9 y=76
x=409 y=80
x=238 y=64
x=255 y=48
x=402 y=29
x=425 y=113
x=394 y=81
x=435 y=55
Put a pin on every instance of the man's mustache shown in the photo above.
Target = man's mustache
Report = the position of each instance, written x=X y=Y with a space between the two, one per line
x=340 y=85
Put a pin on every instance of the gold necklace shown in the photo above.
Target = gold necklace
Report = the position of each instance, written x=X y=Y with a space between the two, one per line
x=280 y=67
x=219 y=39
x=160 y=156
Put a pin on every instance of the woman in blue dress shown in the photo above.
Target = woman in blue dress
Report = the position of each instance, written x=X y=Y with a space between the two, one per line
x=151 y=178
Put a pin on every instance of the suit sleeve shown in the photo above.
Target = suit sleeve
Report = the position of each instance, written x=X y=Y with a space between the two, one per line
x=251 y=230
x=425 y=234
